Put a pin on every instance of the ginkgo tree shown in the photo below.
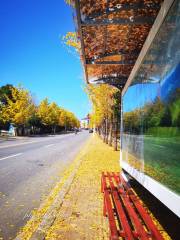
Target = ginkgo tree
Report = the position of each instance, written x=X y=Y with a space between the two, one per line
x=105 y=109
x=53 y=115
x=68 y=119
x=49 y=113
x=105 y=99
x=18 y=108
x=70 y=39
x=5 y=93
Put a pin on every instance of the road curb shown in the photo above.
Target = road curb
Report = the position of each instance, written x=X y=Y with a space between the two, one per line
x=50 y=216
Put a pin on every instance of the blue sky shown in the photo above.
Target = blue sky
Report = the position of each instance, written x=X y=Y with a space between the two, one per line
x=31 y=52
x=140 y=94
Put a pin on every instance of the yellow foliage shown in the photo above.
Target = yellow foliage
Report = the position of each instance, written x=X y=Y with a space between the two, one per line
x=43 y=112
x=19 y=108
x=68 y=119
x=71 y=40
x=70 y=2
x=102 y=98
x=48 y=112
x=84 y=215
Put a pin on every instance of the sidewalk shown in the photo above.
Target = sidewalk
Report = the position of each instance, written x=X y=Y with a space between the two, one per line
x=80 y=216
x=73 y=210
x=78 y=208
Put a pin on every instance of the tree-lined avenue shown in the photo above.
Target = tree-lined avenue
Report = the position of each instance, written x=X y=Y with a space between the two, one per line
x=29 y=168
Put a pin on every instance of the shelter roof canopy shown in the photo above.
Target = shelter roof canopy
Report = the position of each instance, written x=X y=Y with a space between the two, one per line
x=112 y=34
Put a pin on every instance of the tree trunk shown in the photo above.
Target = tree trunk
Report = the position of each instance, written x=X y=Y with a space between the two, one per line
x=33 y=130
x=106 y=135
x=115 y=136
x=104 y=131
x=110 y=133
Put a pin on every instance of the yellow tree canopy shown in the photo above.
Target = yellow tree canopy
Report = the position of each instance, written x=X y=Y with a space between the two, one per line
x=19 y=108
x=102 y=98
x=47 y=112
x=70 y=39
x=54 y=112
x=68 y=119
x=63 y=118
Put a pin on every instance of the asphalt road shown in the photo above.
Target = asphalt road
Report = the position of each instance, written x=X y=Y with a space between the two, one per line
x=29 y=168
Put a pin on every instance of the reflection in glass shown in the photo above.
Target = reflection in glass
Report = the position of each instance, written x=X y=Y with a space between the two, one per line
x=151 y=108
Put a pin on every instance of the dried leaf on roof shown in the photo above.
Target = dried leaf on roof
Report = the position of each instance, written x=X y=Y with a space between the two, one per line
x=113 y=33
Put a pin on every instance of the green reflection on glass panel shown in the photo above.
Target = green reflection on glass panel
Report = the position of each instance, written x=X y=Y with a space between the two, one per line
x=151 y=105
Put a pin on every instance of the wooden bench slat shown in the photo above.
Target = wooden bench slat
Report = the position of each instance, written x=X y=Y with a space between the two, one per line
x=121 y=214
x=110 y=213
x=133 y=216
x=120 y=198
x=147 y=219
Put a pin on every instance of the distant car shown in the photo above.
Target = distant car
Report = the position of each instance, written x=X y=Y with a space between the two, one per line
x=90 y=130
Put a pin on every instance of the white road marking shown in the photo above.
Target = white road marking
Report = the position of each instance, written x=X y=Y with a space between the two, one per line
x=50 y=145
x=24 y=143
x=18 y=144
x=11 y=156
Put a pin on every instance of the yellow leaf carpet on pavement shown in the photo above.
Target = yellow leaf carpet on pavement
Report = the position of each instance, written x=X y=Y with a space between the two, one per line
x=81 y=214
x=38 y=214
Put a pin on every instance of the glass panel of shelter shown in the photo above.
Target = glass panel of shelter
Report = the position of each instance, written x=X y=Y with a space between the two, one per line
x=151 y=108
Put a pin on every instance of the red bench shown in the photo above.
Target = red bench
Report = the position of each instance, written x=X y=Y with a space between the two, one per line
x=128 y=218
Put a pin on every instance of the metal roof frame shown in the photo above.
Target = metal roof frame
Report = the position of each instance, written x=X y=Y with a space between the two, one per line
x=122 y=7
x=155 y=28
x=118 y=21
x=101 y=20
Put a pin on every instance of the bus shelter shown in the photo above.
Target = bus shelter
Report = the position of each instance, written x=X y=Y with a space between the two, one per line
x=134 y=46
x=112 y=34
